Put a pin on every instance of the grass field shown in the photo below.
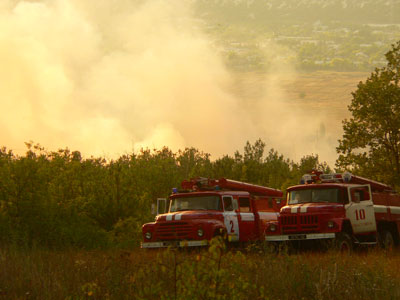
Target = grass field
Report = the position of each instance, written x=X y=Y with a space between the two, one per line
x=325 y=91
x=318 y=92
x=201 y=274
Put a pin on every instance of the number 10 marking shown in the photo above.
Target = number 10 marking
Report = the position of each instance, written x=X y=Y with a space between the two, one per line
x=360 y=215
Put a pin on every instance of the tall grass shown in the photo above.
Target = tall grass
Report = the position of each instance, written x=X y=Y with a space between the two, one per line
x=200 y=274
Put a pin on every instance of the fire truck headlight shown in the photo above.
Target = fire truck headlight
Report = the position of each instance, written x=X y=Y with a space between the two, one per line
x=148 y=235
x=200 y=232
x=272 y=227
x=331 y=224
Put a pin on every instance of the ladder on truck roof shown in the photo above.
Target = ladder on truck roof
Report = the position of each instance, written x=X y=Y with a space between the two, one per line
x=346 y=177
x=202 y=183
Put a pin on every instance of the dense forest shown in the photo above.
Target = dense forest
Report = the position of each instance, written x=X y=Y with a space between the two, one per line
x=60 y=199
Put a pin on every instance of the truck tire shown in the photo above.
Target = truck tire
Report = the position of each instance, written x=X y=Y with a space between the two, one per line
x=386 y=240
x=343 y=243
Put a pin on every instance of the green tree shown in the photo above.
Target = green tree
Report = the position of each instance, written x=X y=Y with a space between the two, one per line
x=253 y=158
x=193 y=163
x=371 y=141
x=277 y=169
x=224 y=167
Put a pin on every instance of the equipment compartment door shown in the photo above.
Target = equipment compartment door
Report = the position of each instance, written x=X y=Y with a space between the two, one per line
x=246 y=220
x=360 y=209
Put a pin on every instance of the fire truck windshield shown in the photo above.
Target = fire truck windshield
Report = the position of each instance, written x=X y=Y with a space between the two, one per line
x=195 y=203
x=314 y=195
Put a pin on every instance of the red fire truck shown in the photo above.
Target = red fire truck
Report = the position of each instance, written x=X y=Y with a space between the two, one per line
x=206 y=208
x=344 y=207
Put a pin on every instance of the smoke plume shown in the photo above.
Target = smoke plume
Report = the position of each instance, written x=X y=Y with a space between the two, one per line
x=108 y=77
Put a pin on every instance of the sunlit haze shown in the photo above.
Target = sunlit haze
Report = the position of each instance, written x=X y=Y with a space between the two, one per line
x=110 y=77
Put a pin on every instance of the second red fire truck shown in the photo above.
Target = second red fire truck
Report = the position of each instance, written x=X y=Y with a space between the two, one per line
x=342 y=207
x=205 y=208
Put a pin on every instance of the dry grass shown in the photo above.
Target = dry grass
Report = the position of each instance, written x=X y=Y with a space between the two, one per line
x=325 y=91
x=205 y=274
x=322 y=92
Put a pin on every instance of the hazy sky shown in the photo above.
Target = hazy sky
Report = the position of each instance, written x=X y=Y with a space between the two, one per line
x=108 y=77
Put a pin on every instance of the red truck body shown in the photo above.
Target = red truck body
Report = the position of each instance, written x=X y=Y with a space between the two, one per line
x=344 y=207
x=206 y=208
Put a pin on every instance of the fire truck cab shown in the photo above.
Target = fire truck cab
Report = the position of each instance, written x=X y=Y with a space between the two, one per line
x=205 y=208
x=347 y=208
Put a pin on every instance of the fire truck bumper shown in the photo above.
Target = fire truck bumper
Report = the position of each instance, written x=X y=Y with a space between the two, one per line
x=299 y=237
x=174 y=244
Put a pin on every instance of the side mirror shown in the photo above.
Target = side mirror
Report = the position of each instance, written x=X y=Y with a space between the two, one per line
x=280 y=202
x=161 y=206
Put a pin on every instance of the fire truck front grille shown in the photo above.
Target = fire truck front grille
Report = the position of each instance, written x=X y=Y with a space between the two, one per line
x=174 y=231
x=302 y=223
x=308 y=220
x=289 y=220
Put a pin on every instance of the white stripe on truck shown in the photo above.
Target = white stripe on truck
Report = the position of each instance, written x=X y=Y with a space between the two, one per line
x=293 y=209
x=380 y=209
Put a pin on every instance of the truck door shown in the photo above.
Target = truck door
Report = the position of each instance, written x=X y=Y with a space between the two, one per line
x=246 y=220
x=360 y=209
x=231 y=218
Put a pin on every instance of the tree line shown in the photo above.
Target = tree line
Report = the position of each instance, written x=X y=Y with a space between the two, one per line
x=60 y=199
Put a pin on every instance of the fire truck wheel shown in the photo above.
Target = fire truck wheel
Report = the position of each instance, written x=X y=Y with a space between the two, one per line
x=343 y=242
x=386 y=240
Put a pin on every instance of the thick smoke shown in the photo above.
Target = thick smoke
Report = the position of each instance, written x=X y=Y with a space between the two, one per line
x=108 y=77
